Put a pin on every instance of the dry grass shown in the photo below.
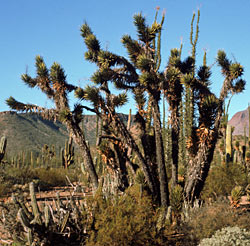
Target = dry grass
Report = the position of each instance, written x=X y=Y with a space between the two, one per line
x=205 y=221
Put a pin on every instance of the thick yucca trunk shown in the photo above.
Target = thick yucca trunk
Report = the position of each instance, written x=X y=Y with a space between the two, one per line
x=128 y=140
x=175 y=129
x=164 y=192
x=199 y=165
x=79 y=139
x=198 y=168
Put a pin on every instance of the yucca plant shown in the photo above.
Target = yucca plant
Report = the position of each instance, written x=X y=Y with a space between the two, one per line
x=236 y=194
x=176 y=201
x=141 y=75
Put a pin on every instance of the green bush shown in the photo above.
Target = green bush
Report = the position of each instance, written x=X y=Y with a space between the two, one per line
x=125 y=220
x=130 y=219
x=222 y=179
x=229 y=236
x=45 y=178
x=19 y=175
x=54 y=177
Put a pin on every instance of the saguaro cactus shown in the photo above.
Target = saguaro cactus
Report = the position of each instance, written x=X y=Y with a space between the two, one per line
x=3 y=144
x=68 y=153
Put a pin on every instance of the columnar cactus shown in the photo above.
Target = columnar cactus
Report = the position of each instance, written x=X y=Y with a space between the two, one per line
x=32 y=163
x=35 y=208
x=237 y=152
x=229 y=152
x=52 y=226
x=129 y=119
x=3 y=144
x=68 y=153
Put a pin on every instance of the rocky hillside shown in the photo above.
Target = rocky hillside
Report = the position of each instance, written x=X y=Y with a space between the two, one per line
x=29 y=132
x=239 y=121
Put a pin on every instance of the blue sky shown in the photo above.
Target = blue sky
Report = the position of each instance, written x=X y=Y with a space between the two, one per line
x=51 y=28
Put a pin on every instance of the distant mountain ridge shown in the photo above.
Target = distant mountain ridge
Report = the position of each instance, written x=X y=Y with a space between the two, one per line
x=240 y=121
x=29 y=132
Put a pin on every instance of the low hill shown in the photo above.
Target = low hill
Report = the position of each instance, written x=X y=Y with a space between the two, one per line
x=29 y=132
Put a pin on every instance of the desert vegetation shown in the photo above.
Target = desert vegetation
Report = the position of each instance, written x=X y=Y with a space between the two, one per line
x=153 y=181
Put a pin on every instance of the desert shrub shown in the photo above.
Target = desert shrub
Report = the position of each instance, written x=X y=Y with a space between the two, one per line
x=176 y=201
x=129 y=219
x=4 y=189
x=53 y=177
x=205 y=221
x=222 y=179
x=229 y=236
x=19 y=175
x=45 y=178
x=125 y=220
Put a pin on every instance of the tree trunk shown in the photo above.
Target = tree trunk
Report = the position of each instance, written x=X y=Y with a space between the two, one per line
x=128 y=140
x=129 y=149
x=123 y=173
x=160 y=156
x=175 y=144
x=79 y=139
x=198 y=168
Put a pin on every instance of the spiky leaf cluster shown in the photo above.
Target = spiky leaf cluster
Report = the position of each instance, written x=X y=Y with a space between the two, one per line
x=208 y=108
x=79 y=93
x=85 y=30
x=204 y=75
x=120 y=100
x=145 y=33
x=144 y=63
x=236 y=70
x=133 y=48
x=148 y=79
x=53 y=83
x=223 y=61
x=233 y=72
x=28 y=80
x=174 y=59
x=77 y=113
x=41 y=68
x=92 y=94
x=239 y=86
x=99 y=77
